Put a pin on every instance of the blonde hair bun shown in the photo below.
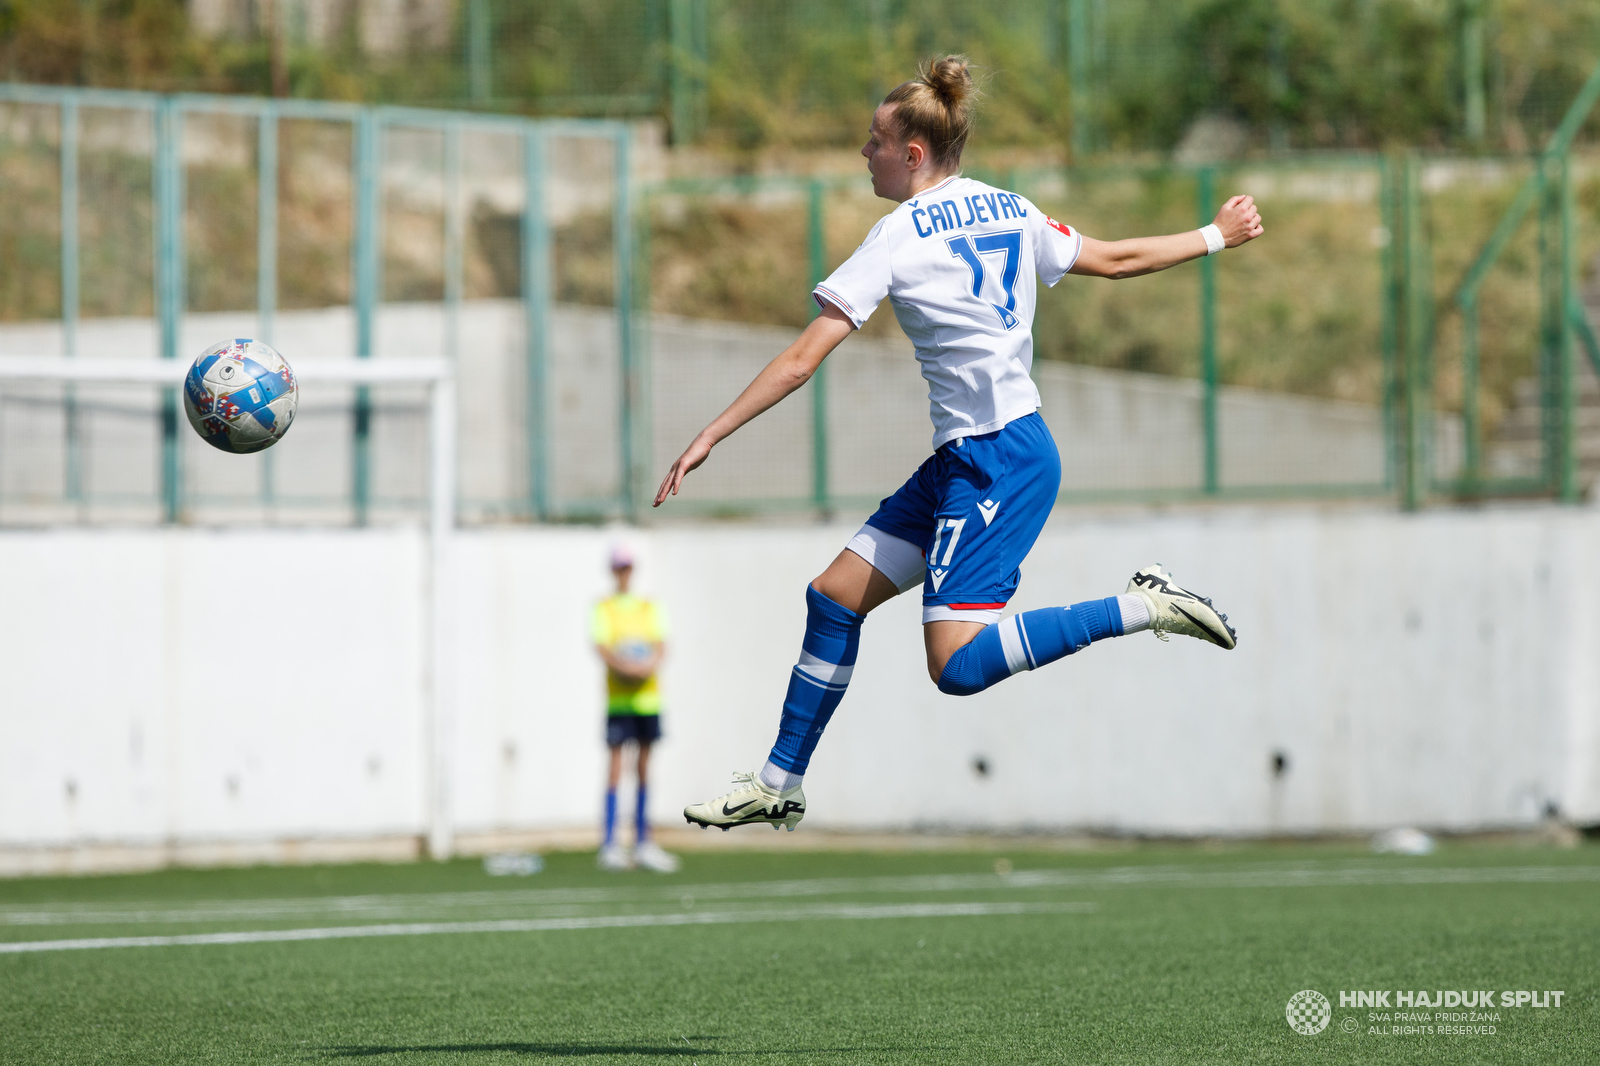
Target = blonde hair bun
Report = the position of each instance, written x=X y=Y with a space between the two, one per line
x=937 y=106
x=949 y=79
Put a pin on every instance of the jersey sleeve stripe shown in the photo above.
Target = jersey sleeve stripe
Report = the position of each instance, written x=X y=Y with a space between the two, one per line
x=834 y=298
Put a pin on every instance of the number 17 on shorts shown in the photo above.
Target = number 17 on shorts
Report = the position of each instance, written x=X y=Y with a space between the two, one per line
x=948 y=532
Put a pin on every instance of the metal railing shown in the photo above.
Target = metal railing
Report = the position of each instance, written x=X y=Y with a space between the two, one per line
x=369 y=126
x=1304 y=366
x=1563 y=323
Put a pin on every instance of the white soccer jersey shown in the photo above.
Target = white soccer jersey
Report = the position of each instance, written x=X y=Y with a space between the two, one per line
x=958 y=265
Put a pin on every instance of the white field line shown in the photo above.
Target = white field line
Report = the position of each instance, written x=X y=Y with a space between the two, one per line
x=837 y=912
x=489 y=904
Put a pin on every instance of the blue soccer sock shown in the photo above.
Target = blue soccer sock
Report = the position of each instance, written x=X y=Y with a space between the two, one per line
x=611 y=817
x=1027 y=641
x=816 y=685
x=641 y=827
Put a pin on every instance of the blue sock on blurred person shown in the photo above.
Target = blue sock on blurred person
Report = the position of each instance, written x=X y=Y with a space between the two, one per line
x=1028 y=640
x=611 y=817
x=641 y=827
x=816 y=685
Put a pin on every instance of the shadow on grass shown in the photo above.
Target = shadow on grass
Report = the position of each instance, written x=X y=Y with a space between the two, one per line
x=565 y=1051
x=552 y=1051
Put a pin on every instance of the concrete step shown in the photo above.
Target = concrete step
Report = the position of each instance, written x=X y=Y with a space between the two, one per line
x=1526 y=393
x=1533 y=450
x=1522 y=423
x=1518 y=440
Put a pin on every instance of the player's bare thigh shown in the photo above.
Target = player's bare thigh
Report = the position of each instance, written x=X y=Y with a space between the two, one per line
x=855 y=584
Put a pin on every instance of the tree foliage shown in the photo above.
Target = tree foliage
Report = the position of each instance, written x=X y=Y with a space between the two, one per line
x=1300 y=74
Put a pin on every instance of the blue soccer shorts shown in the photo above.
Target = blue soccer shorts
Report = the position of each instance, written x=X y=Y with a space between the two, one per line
x=643 y=728
x=965 y=521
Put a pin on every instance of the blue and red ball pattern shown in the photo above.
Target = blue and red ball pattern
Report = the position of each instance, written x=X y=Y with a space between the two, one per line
x=240 y=395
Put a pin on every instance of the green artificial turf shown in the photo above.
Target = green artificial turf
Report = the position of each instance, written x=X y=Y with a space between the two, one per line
x=1148 y=955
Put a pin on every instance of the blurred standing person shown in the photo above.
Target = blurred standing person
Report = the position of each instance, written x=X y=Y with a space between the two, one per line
x=629 y=633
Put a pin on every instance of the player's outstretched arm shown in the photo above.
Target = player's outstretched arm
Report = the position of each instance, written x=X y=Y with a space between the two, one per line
x=1238 y=222
x=790 y=370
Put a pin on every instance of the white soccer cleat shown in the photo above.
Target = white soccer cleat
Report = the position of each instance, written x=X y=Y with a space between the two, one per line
x=650 y=856
x=752 y=803
x=613 y=857
x=1174 y=609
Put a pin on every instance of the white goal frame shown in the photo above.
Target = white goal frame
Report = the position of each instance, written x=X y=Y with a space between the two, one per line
x=438 y=375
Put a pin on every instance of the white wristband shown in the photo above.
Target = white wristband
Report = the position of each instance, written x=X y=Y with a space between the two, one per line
x=1213 y=236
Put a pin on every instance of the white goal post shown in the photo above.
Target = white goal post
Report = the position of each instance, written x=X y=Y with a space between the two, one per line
x=438 y=375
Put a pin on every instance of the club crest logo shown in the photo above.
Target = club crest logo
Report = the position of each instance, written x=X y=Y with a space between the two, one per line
x=1308 y=1012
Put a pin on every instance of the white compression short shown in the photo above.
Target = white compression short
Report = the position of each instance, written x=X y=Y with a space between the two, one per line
x=901 y=561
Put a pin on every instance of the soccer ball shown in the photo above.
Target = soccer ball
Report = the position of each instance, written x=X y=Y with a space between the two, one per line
x=240 y=395
x=633 y=652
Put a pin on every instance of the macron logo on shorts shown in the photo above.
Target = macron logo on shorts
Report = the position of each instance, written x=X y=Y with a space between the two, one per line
x=988 y=508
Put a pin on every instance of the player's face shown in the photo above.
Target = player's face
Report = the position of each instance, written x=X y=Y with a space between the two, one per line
x=886 y=158
x=622 y=574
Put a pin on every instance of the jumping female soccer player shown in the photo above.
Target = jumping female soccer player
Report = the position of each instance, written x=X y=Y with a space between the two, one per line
x=957 y=260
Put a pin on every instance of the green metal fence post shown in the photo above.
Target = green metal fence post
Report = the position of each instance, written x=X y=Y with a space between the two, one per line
x=1551 y=327
x=1389 y=326
x=267 y=255
x=69 y=292
x=1471 y=423
x=816 y=222
x=702 y=59
x=169 y=286
x=1418 y=338
x=631 y=398
x=1546 y=390
x=1566 y=379
x=687 y=27
x=266 y=220
x=69 y=228
x=536 y=317
x=1208 y=338
x=367 y=253
x=677 y=72
x=1472 y=82
x=1079 y=60
x=480 y=52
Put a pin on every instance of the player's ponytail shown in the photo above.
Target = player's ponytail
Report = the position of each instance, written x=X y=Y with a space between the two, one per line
x=937 y=106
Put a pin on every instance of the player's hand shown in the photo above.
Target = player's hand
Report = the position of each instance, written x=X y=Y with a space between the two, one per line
x=1239 y=221
x=692 y=457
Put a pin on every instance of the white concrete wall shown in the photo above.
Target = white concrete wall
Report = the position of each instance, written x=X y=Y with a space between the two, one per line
x=184 y=685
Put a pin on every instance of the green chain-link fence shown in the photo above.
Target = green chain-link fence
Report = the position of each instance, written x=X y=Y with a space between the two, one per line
x=1415 y=325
